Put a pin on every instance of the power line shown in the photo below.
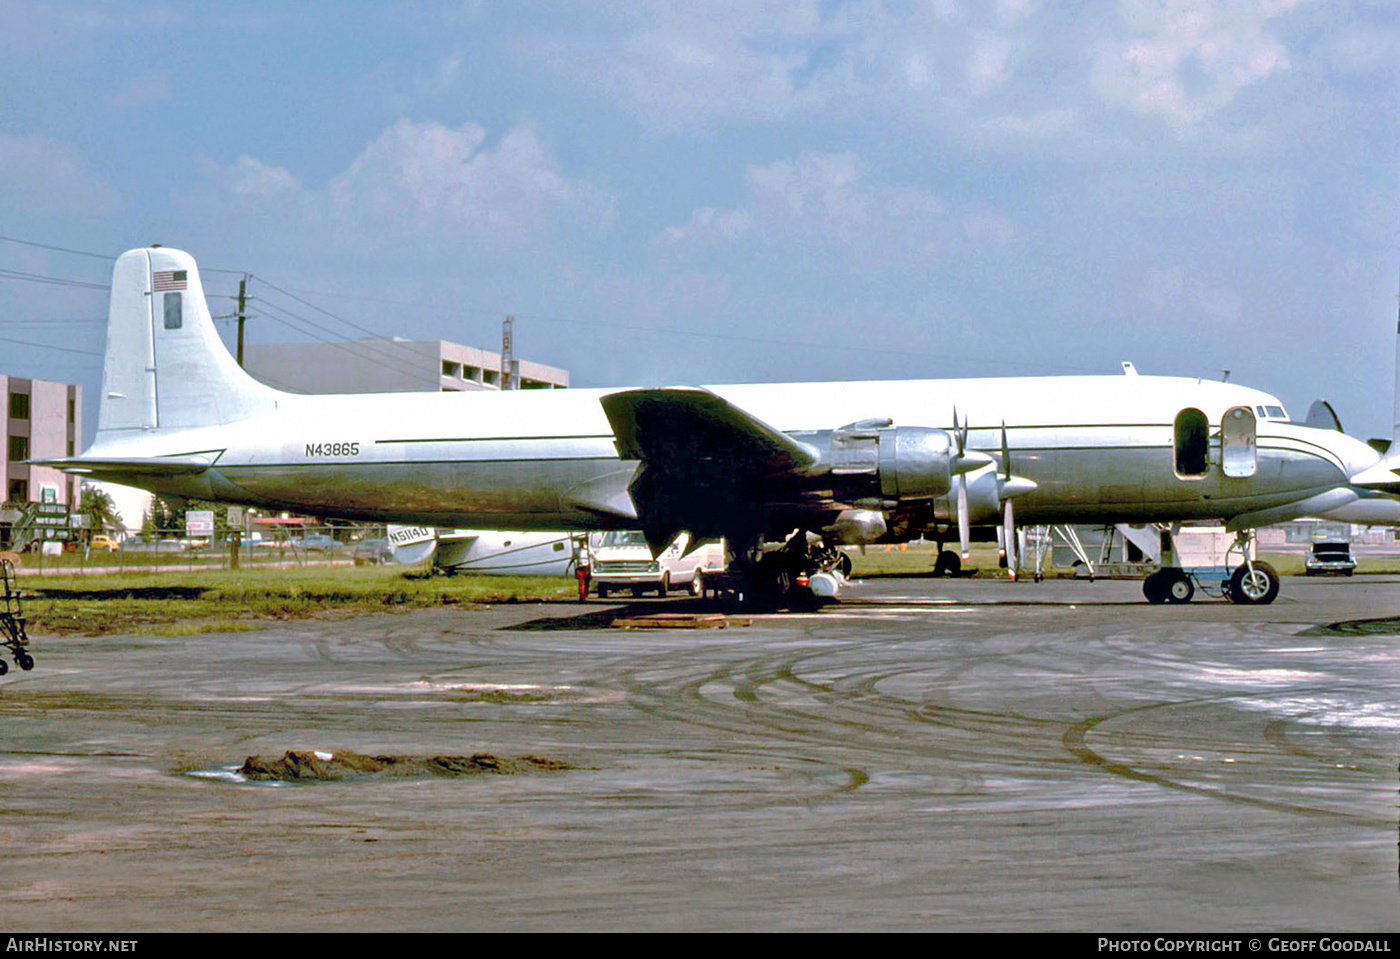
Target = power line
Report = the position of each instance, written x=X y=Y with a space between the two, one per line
x=53 y=280
x=44 y=346
x=350 y=347
x=363 y=329
x=542 y=318
x=59 y=249
x=42 y=323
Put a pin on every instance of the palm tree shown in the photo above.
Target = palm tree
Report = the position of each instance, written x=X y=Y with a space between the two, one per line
x=98 y=507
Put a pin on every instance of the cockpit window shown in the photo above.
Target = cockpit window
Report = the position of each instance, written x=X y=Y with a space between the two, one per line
x=1271 y=413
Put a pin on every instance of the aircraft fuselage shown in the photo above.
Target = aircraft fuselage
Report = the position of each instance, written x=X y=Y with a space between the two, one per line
x=1098 y=448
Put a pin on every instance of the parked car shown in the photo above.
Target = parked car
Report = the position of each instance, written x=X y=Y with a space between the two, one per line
x=1331 y=557
x=622 y=560
x=154 y=546
x=319 y=543
x=103 y=544
x=373 y=552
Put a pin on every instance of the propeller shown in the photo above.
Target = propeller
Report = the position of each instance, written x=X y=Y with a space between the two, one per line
x=964 y=521
x=1009 y=515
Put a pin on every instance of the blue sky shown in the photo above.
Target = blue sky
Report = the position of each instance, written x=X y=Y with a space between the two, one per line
x=668 y=192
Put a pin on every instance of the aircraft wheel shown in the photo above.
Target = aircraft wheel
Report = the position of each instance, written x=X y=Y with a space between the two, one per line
x=665 y=585
x=845 y=565
x=4 y=667
x=24 y=661
x=1180 y=589
x=602 y=591
x=1256 y=587
x=637 y=592
x=697 y=584
x=1154 y=587
x=948 y=563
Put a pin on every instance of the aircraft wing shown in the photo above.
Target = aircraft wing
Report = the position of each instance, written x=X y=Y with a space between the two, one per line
x=696 y=426
x=706 y=464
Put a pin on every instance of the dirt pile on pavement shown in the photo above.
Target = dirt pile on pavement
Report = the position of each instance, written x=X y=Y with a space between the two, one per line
x=306 y=766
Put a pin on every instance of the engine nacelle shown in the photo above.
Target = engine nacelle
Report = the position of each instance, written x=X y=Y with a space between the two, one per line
x=856 y=527
x=874 y=465
x=916 y=463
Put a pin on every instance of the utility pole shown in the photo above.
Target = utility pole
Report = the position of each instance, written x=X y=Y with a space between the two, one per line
x=507 y=348
x=242 y=313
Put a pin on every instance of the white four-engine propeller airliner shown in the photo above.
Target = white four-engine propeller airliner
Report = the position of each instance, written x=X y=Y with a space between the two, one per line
x=809 y=465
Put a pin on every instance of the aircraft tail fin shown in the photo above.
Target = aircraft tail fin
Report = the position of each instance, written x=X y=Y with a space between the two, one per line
x=165 y=367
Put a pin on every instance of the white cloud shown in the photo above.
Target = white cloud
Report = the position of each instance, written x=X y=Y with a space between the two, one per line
x=985 y=72
x=1189 y=300
x=430 y=175
x=681 y=65
x=988 y=63
x=1361 y=48
x=248 y=177
x=823 y=205
x=140 y=91
x=419 y=178
x=39 y=174
x=1184 y=60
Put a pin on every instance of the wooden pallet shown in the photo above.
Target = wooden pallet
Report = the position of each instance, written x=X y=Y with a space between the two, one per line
x=680 y=621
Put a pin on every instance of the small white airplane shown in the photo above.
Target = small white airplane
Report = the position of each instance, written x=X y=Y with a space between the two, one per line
x=807 y=465
x=493 y=552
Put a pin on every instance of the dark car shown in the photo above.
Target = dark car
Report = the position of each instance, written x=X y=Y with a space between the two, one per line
x=319 y=543
x=1330 y=558
x=373 y=552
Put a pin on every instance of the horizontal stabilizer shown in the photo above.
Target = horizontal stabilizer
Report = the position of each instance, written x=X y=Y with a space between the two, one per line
x=189 y=464
x=1331 y=499
x=1382 y=476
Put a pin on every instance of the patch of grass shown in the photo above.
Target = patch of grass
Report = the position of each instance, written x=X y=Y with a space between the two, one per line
x=216 y=600
x=915 y=559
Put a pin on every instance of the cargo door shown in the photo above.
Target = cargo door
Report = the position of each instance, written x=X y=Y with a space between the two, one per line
x=1239 y=456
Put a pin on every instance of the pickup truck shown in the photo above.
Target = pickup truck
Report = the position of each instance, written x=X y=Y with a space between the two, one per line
x=622 y=560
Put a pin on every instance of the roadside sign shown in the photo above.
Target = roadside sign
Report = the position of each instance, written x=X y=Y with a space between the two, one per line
x=199 y=522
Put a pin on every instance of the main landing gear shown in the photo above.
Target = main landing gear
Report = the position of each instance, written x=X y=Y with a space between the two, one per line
x=1252 y=583
x=1169 y=586
x=799 y=575
x=12 y=633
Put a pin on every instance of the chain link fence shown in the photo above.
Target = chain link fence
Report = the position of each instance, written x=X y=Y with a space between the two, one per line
x=175 y=550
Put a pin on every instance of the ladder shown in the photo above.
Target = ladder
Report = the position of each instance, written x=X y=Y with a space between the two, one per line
x=12 y=633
